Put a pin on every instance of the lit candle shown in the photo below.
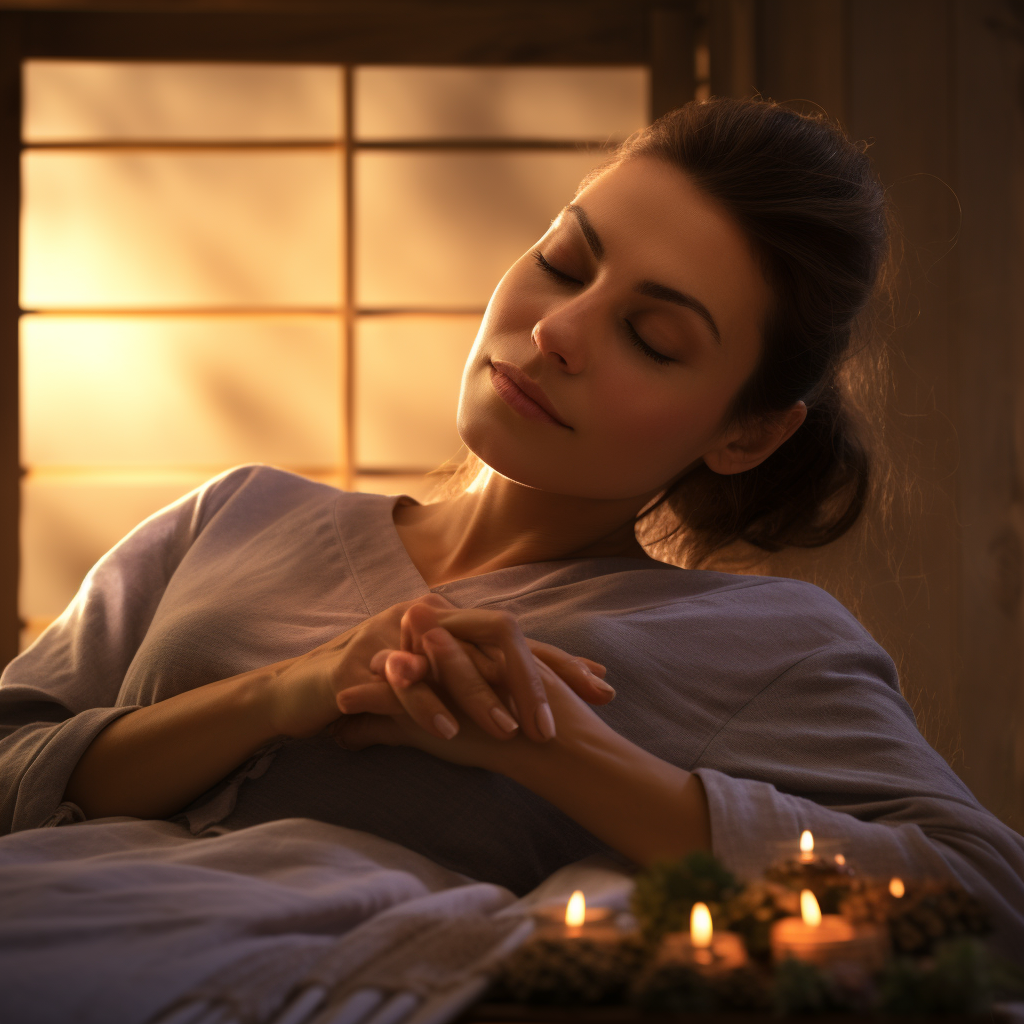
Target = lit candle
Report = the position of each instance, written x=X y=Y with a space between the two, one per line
x=577 y=921
x=897 y=888
x=806 y=846
x=703 y=948
x=825 y=938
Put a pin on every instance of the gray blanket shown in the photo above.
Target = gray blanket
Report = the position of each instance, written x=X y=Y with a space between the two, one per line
x=125 y=921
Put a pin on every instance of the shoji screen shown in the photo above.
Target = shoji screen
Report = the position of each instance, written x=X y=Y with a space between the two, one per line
x=230 y=263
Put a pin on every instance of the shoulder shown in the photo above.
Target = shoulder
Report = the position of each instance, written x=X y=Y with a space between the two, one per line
x=768 y=627
x=761 y=603
x=257 y=493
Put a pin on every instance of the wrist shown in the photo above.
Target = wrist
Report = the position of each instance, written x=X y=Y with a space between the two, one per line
x=259 y=696
x=644 y=807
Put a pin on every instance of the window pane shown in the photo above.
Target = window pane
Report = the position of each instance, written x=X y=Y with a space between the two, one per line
x=499 y=103
x=70 y=100
x=438 y=230
x=67 y=524
x=408 y=374
x=180 y=391
x=194 y=229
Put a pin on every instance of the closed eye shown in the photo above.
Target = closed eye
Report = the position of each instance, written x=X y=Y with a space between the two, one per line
x=553 y=271
x=631 y=331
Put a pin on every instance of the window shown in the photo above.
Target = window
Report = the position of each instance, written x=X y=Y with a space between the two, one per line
x=283 y=263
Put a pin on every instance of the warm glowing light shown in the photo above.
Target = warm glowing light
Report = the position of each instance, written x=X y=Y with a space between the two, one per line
x=481 y=480
x=809 y=909
x=576 y=910
x=806 y=841
x=700 y=926
x=840 y=859
x=897 y=888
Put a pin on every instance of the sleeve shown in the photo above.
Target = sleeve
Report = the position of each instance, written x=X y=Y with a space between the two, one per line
x=57 y=696
x=831 y=746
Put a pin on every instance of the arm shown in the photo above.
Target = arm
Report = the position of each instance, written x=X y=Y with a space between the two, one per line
x=831 y=745
x=638 y=804
x=644 y=807
x=156 y=760
x=57 y=696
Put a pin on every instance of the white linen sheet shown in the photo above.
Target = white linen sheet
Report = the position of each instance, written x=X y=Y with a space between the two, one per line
x=124 y=921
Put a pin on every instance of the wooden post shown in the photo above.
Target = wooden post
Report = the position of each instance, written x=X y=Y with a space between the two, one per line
x=10 y=203
x=670 y=45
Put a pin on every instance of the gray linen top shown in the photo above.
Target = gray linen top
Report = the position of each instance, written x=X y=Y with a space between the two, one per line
x=768 y=688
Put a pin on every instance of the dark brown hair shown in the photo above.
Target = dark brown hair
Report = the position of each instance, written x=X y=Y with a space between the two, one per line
x=815 y=214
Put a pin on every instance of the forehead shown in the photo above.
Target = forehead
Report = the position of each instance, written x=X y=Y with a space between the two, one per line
x=655 y=222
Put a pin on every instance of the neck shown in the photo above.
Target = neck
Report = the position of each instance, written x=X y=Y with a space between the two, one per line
x=500 y=523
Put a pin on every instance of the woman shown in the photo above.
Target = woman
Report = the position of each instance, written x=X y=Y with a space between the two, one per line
x=675 y=340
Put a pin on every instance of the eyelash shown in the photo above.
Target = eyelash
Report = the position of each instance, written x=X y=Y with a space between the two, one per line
x=634 y=338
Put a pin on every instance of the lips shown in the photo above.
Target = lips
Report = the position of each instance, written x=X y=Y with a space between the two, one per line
x=528 y=387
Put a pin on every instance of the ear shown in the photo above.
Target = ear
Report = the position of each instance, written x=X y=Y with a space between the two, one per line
x=748 y=446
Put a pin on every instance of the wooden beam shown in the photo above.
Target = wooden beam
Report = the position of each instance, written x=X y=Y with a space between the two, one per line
x=10 y=202
x=388 y=31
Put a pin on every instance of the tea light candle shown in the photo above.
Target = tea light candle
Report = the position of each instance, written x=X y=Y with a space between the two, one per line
x=703 y=948
x=806 y=846
x=577 y=921
x=825 y=938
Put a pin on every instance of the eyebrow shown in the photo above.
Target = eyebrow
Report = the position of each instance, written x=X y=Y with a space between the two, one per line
x=649 y=288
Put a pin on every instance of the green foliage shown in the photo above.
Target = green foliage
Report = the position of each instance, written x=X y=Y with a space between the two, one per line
x=665 y=893
x=674 y=988
x=753 y=910
x=958 y=980
x=801 y=988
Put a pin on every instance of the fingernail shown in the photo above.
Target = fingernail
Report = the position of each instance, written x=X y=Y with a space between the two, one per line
x=445 y=726
x=504 y=719
x=603 y=686
x=546 y=722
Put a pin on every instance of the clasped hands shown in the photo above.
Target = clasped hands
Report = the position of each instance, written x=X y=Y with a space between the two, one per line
x=463 y=684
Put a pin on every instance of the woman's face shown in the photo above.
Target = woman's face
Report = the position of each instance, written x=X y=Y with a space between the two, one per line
x=639 y=316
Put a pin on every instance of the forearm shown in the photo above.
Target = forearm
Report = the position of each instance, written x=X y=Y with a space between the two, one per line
x=646 y=808
x=154 y=761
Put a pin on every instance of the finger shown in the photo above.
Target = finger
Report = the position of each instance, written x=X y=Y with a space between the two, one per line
x=538 y=646
x=417 y=665
x=417 y=618
x=574 y=671
x=499 y=630
x=454 y=669
x=369 y=698
x=417 y=698
x=361 y=731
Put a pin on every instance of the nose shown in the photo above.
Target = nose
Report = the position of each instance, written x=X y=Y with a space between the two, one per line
x=559 y=339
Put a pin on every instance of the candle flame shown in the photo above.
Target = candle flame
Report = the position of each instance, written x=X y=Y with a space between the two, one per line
x=897 y=888
x=576 y=910
x=840 y=859
x=809 y=909
x=700 y=926
x=806 y=841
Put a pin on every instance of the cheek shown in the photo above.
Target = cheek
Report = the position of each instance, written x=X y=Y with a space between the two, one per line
x=516 y=303
x=653 y=427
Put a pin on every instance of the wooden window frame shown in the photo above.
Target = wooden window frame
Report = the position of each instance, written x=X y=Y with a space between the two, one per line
x=656 y=33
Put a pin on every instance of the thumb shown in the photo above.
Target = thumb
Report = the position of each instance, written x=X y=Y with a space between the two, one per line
x=357 y=732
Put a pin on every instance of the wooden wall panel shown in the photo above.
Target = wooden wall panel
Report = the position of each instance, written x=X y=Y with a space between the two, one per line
x=989 y=180
x=933 y=89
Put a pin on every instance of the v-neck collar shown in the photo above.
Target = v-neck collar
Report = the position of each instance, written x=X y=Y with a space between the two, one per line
x=386 y=574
